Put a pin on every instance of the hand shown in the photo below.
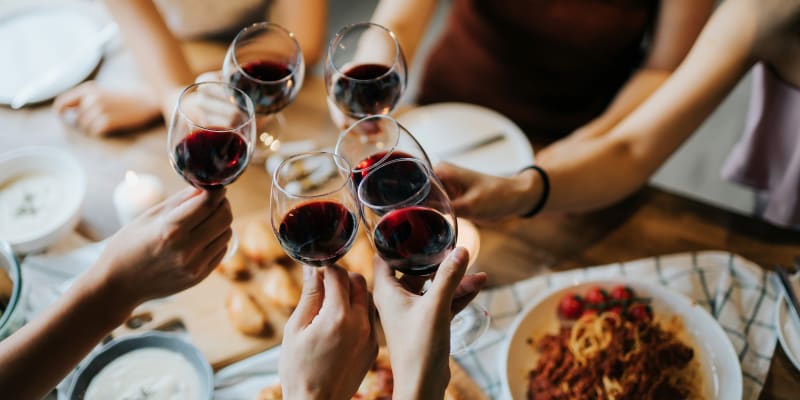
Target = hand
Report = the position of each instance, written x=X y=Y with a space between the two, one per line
x=169 y=248
x=485 y=197
x=420 y=358
x=101 y=111
x=329 y=342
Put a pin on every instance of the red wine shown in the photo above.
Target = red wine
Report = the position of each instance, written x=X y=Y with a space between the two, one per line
x=318 y=232
x=270 y=97
x=372 y=89
x=211 y=159
x=414 y=240
x=365 y=166
x=398 y=182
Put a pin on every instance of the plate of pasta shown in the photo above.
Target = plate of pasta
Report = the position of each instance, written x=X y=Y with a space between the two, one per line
x=618 y=339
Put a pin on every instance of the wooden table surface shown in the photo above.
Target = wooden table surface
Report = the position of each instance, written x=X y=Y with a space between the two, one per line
x=651 y=222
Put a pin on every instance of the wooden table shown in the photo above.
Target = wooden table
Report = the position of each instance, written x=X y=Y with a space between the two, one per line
x=651 y=222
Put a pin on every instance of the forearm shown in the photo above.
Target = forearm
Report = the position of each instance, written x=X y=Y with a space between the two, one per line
x=639 y=87
x=307 y=20
x=594 y=171
x=37 y=357
x=408 y=19
x=154 y=48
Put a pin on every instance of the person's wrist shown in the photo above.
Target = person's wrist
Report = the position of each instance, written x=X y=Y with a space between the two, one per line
x=306 y=392
x=98 y=290
x=527 y=187
x=418 y=378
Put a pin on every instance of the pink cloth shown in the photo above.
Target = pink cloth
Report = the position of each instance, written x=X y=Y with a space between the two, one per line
x=767 y=158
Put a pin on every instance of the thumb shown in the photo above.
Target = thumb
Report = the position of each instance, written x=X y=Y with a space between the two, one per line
x=449 y=275
x=310 y=300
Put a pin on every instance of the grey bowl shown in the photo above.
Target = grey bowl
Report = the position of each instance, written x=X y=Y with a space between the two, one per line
x=11 y=318
x=118 y=347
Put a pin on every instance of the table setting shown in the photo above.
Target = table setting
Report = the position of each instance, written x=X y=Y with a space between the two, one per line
x=331 y=170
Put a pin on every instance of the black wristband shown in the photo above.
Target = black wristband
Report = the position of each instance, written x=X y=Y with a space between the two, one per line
x=545 y=191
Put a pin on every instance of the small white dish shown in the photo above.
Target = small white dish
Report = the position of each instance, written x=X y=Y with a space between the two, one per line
x=719 y=364
x=788 y=335
x=37 y=40
x=41 y=192
x=441 y=128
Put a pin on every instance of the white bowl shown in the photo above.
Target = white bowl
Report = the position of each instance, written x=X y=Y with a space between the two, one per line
x=41 y=192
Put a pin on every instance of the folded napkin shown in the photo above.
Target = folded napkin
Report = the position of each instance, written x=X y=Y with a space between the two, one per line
x=734 y=290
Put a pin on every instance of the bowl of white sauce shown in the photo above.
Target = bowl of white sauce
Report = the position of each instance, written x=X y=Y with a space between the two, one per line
x=152 y=366
x=41 y=192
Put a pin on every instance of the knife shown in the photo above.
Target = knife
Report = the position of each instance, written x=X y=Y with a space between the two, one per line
x=58 y=72
x=791 y=295
x=466 y=148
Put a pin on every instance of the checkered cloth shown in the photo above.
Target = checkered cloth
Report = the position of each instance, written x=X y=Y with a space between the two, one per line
x=734 y=290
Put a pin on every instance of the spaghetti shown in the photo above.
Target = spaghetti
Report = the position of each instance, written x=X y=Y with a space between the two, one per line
x=605 y=356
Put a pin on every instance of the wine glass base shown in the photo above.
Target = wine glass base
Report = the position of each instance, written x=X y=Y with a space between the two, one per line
x=467 y=326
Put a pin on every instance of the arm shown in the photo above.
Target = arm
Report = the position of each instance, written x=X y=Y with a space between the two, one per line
x=679 y=22
x=593 y=172
x=157 y=52
x=307 y=20
x=408 y=19
x=147 y=259
x=589 y=171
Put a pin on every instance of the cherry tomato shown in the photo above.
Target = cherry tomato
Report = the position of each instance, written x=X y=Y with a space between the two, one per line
x=617 y=310
x=640 y=312
x=622 y=294
x=596 y=298
x=571 y=306
x=589 y=311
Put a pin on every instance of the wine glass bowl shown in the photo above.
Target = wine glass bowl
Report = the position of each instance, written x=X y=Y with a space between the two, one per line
x=374 y=140
x=314 y=213
x=409 y=215
x=365 y=71
x=211 y=134
x=265 y=61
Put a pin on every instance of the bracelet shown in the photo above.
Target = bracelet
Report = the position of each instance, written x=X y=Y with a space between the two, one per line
x=545 y=191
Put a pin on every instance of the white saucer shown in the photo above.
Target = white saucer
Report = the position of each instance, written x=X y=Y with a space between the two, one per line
x=788 y=335
x=446 y=126
x=37 y=39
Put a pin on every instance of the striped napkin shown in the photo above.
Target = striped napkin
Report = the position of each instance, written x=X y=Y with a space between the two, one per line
x=735 y=291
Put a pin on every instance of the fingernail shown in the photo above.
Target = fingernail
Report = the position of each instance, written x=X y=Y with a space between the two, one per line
x=308 y=272
x=459 y=255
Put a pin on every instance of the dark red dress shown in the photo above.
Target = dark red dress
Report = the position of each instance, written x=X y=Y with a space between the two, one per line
x=549 y=65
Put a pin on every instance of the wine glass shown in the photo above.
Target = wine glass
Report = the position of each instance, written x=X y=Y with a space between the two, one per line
x=265 y=61
x=211 y=135
x=413 y=227
x=374 y=140
x=313 y=215
x=365 y=73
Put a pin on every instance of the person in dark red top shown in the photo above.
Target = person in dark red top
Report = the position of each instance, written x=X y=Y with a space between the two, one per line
x=555 y=67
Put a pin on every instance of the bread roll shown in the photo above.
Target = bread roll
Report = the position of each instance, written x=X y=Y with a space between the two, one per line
x=246 y=315
x=234 y=267
x=278 y=287
x=259 y=243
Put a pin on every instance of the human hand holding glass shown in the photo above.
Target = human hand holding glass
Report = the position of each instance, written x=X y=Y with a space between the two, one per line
x=412 y=227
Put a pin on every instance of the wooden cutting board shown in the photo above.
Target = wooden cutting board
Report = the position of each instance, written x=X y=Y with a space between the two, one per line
x=201 y=310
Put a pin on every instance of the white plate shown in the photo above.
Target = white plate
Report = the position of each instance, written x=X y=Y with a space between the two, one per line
x=788 y=335
x=38 y=39
x=722 y=375
x=445 y=126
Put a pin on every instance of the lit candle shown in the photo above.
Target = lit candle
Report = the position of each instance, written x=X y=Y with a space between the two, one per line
x=135 y=194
